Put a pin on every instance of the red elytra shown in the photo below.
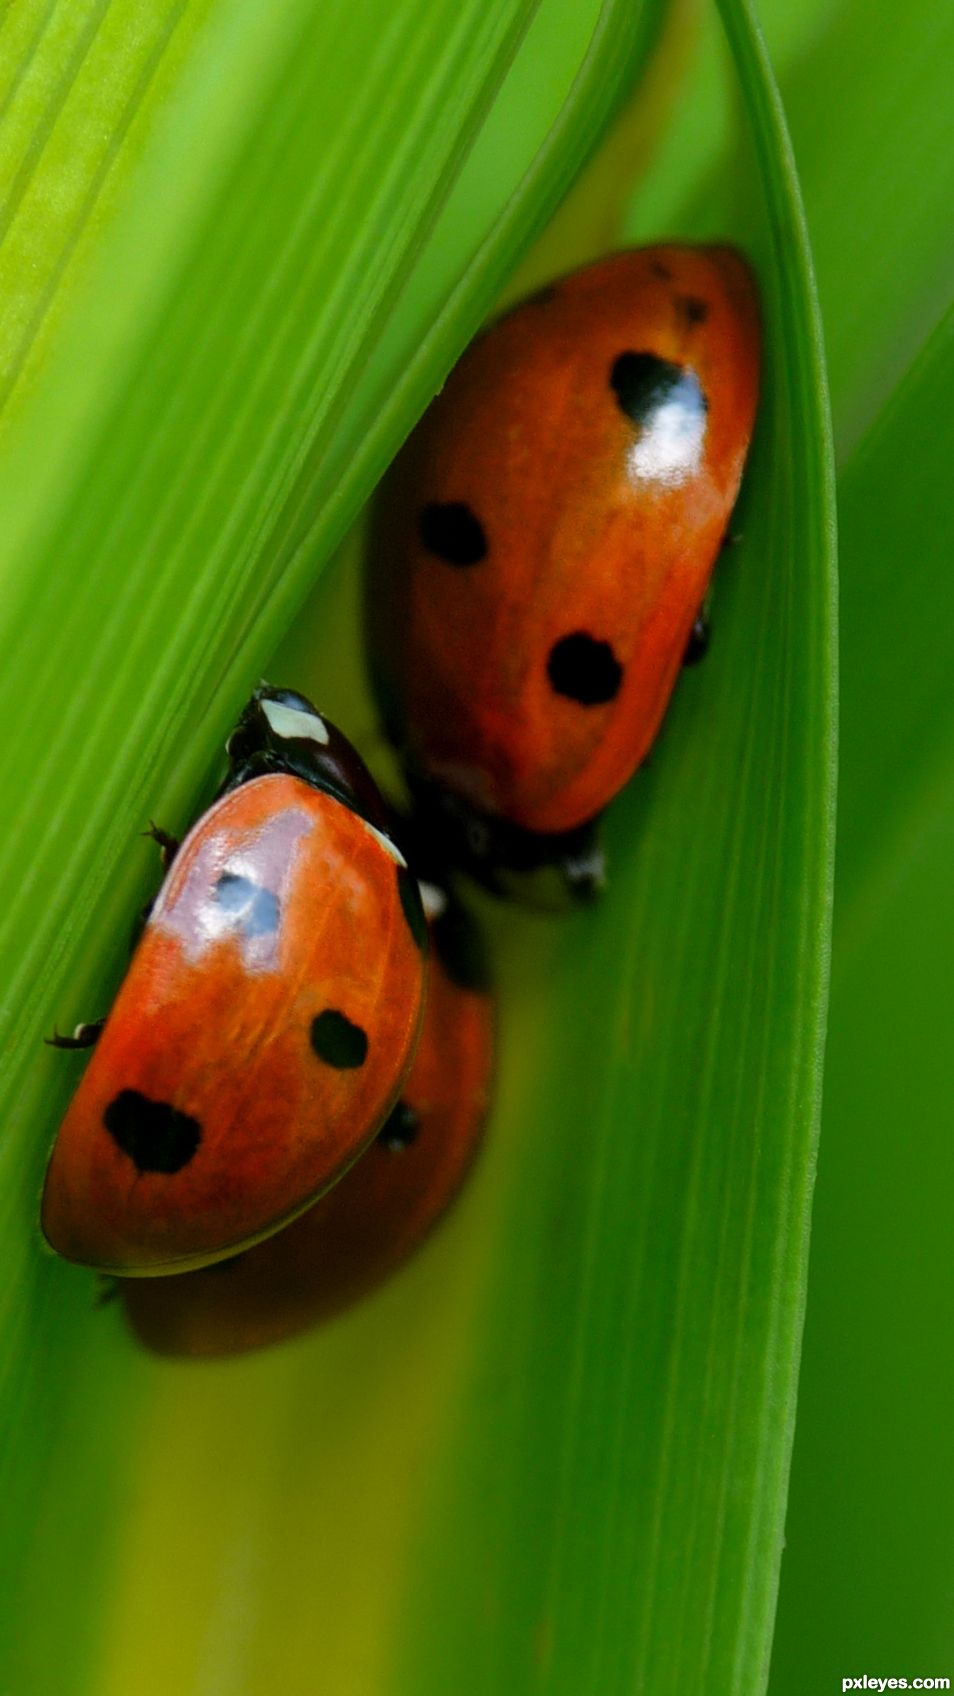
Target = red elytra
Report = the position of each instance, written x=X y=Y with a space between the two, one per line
x=363 y=1228
x=543 y=542
x=258 y=1040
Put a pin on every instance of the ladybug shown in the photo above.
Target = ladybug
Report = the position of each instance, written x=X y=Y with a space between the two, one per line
x=541 y=549
x=360 y=1230
x=267 y=1019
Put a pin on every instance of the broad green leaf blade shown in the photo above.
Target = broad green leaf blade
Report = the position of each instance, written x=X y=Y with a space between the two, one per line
x=882 y=1240
x=868 y=1568
x=223 y=293
x=615 y=1483
x=896 y=499
x=872 y=1484
x=870 y=115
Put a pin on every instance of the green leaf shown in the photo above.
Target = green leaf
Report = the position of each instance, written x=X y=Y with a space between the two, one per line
x=553 y=1455
x=884 y=1281
x=620 y=1444
x=867 y=1573
x=214 y=337
x=870 y=115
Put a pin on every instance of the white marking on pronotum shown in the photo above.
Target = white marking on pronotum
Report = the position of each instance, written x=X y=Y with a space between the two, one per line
x=385 y=841
x=292 y=722
x=433 y=900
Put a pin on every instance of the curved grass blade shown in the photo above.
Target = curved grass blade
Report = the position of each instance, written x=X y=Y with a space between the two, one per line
x=882 y=1286
x=170 y=488
x=614 y=1483
x=567 y=1427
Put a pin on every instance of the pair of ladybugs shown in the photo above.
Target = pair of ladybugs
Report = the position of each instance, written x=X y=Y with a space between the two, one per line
x=538 y=564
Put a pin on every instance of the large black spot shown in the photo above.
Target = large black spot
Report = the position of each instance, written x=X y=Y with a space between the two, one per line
x=451 y=531
x=411 y=904
x=337 y=1041
x=157 y=1137
x=256 y=910
x=642 y=384
x=584 y=669
x=400 y=1128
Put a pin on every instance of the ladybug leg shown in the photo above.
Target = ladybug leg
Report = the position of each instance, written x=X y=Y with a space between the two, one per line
x=107 y=1290
x=168 y=845
x=168 y=849
x=83 y=1036
x=699 y=636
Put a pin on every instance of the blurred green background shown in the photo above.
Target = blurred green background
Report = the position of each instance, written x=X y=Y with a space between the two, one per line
x=238 y=249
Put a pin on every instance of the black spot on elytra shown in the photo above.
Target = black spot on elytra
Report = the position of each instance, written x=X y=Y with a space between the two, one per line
x=337 y=1041
x=156 y=1136
x=543 y=296
x=660 y=270
x=642 y=383
x=584 y=669
x=453 y=532
x=411 y=906
x=400 y=1128
x=694 y=310
x=256 y=910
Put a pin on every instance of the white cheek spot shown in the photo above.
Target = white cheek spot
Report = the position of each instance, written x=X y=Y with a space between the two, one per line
x=292 y=723
x=386 y=843
x=669 y=448
x=433 y=900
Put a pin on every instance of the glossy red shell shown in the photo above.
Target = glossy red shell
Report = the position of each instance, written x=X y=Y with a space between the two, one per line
x=267 y=1020
x=357 y=1234
x=598 y=522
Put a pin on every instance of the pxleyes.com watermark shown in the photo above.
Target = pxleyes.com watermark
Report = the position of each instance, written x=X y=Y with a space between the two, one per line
x=882 y=1684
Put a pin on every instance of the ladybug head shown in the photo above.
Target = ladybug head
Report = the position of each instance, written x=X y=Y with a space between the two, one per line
x=280 y=731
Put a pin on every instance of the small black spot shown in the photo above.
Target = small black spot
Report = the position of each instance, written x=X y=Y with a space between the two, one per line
x=337 y=1041
x=256 y=909
x=660 y=270
x=451 y=531
x=400 y=1128
x=584 y=669
x=157 y=1137
x=642 y=383
x=411 y=904
x=543 y=296
x=693 y=310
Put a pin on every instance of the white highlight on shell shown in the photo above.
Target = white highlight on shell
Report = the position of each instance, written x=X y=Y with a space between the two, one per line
x=433 y=900
x=187 y=906
x=292 y=722
x=385 y=841
x=669 y=448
